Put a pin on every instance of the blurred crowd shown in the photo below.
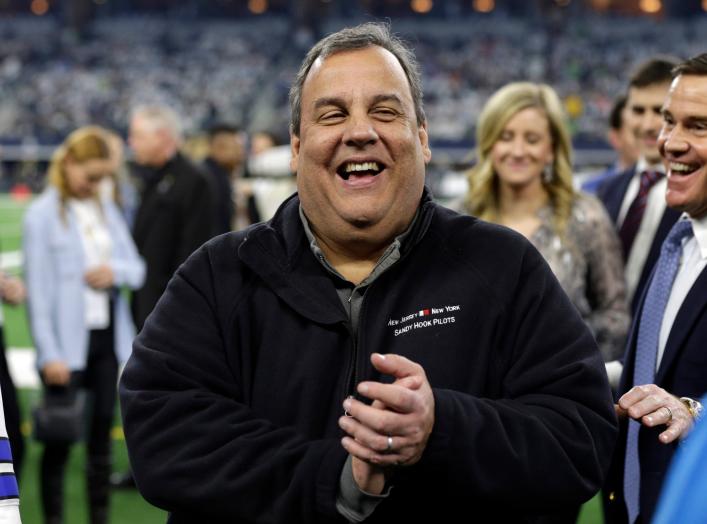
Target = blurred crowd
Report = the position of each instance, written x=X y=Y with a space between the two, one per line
x=52 y=82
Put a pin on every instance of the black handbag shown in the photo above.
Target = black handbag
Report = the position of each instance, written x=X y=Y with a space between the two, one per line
x=60 y=417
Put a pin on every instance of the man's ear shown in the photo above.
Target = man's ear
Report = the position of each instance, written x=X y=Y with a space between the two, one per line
x=294 y=149
x=614 y=138
x=425 y=142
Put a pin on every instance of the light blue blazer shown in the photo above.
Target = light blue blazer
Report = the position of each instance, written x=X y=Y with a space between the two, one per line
x=54 y=272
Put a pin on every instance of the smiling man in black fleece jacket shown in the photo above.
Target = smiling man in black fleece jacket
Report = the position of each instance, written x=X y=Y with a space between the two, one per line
x=366 y=354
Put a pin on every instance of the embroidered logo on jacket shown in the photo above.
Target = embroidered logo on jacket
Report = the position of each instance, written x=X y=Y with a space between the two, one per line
x=424 y=318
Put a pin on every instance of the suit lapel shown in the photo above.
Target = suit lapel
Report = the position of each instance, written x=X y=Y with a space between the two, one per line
x=616 y=197
x=152 y=206
x=690 y=310
x=145 y=216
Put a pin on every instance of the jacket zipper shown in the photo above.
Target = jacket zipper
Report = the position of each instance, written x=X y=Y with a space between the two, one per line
x=351 y=371
x=350 y=391
x=353 y=363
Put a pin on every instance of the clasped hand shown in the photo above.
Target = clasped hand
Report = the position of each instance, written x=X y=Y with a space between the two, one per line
x=395 y=428
x=100 y=277
x=12 y=290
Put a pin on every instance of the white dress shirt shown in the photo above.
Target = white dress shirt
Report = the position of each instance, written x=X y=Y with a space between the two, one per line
x=655 y=207
x=97 y=246
x=692 y=263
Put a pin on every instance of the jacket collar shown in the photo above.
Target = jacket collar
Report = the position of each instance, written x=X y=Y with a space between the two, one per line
x=278 y=252
x=153 y=175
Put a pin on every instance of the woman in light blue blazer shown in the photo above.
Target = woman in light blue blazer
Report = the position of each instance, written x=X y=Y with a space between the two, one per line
x=78 y=254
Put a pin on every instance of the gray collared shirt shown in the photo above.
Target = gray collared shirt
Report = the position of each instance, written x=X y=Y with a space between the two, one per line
x=351 y=295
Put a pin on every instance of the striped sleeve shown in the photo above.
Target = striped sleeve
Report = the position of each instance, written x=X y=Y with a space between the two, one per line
x=9 y=492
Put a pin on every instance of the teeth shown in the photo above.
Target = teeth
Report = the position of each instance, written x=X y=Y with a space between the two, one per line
x=361 y=166
x=679 y=167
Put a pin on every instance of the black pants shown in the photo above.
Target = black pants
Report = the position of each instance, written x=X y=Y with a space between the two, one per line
x=12 y=411
x=99 y=379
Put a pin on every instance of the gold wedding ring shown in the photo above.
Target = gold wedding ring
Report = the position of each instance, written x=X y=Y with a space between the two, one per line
x=670 y=413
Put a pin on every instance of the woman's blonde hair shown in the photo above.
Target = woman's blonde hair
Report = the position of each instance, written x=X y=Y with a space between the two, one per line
x=482 y=198
x=84 y=144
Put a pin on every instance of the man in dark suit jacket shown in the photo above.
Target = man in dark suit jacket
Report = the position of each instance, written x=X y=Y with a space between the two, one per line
x=620 y=137
x=648 y=88
x=674 y=310
x=224 y=164
x=175 y=215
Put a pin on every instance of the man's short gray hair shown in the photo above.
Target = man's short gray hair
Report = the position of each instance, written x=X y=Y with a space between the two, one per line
x=161 y=117
x=353 y=38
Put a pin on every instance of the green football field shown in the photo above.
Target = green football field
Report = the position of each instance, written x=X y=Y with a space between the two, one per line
x=127 y=506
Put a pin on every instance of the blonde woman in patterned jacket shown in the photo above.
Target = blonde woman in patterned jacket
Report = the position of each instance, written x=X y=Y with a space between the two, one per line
x=523 y=180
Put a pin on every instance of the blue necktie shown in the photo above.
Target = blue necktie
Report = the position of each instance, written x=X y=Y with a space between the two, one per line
x=647 y=349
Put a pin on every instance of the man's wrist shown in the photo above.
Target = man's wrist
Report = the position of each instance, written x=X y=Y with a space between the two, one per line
x=352 y=502
x=368 y=478
x=693 y=406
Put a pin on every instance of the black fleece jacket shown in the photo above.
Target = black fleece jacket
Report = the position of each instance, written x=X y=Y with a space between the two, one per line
x=231 y=397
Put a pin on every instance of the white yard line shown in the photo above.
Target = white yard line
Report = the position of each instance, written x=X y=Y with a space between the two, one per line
x=22 y=364
x=10 y=260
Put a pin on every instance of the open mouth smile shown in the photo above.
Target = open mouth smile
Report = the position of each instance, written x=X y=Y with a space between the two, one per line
x=682 y=169
x=359 y=169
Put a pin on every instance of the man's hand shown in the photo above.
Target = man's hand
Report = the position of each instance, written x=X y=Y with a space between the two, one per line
x=100 y=277
x=394 y=430
x=12 y=290
x=369 y=477
x=653 y=406
x=56 y=373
